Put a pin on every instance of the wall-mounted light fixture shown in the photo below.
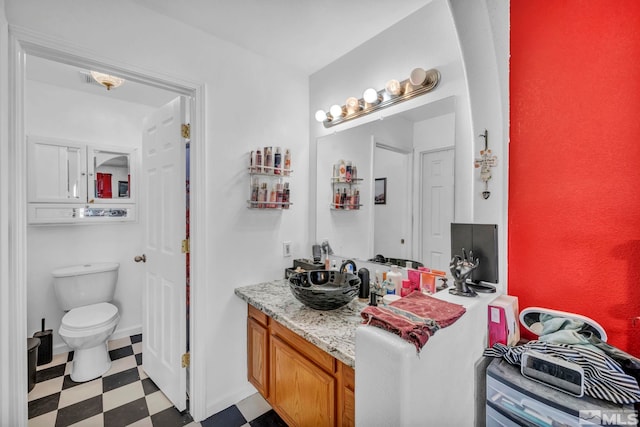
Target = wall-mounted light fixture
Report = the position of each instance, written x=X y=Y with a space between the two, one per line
x=418 y=83
x=107 y=80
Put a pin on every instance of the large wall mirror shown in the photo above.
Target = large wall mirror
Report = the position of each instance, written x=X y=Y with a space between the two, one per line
x=415 y=152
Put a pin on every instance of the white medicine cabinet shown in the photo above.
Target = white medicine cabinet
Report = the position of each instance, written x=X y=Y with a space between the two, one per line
x=75 y=182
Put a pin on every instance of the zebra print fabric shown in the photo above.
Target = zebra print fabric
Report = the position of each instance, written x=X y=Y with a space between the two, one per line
x=603 y=377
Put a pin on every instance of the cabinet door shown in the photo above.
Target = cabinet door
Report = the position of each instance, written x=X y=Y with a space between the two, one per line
x=57 y=171
x=257 y=360
x=347 y=397
x=301 y=392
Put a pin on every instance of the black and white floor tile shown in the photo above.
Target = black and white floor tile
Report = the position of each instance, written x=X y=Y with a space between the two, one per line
x=125 y=396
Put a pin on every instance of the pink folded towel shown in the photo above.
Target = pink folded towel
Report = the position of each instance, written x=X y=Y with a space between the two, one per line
x=414 y=318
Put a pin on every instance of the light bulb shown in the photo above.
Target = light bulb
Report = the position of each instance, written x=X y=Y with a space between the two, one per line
x=336 y=111
x=393 y=88
x=321 y=116
x=370 y=96
x=352 y=104
x=418 y=76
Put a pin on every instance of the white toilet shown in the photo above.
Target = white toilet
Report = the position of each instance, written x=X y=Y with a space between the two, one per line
x=84 y=291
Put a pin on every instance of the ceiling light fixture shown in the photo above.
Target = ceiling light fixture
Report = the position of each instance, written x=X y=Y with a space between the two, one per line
x=107 y=80
x=418 y=83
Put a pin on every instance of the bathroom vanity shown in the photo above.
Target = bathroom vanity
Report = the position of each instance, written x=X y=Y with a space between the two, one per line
x=301 y=360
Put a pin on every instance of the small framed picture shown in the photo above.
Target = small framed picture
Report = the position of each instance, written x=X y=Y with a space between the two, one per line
x=380 y=191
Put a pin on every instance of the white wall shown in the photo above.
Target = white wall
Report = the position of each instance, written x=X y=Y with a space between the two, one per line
x=250 y=101
x=98 y=121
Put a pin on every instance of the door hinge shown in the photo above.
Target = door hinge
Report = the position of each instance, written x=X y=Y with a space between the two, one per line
x=186 y=360
x=185 y=246
x=186 y=130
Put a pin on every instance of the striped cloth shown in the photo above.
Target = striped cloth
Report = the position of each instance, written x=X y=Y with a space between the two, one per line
x=603 y=377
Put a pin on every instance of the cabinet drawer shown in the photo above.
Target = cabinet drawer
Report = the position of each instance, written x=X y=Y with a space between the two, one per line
x=320 y=357
x=259 y=316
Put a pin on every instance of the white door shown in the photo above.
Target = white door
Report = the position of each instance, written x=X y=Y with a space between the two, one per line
x=436 y=208
x=392 y=220
x=164 y=293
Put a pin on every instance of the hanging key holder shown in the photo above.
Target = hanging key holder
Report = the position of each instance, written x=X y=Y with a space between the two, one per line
x=485 y=162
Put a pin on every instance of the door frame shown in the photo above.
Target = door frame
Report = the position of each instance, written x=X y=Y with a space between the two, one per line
x=21 y=43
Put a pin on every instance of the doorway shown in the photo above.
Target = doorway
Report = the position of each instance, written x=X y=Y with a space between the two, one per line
x=23 y=45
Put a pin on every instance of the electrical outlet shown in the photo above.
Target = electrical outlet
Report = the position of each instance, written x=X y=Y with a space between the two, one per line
x=286 y=249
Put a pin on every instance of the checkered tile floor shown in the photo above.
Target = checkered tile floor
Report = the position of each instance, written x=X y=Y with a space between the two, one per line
x=125 y=396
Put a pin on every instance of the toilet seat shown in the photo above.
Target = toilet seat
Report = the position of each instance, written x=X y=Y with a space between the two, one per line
x=89 y=317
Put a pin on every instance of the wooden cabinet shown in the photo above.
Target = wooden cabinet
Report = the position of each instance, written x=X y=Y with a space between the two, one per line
x=347 y=398
x=305 y=385
x=258 y=351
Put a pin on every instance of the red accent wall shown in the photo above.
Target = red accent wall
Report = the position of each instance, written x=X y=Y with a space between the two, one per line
x=574 y=161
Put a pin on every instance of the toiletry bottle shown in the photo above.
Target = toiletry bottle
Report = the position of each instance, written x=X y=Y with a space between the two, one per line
x=252 y=160
x=389 y=286
x=354 y=173
x=272 y=197
x=348 y=171
x=268 y=160
x=336 y=199
x=395 y=277
x=277 y=161
x=287 y=162
x=343 y=198
x=326 y=261
x=262 y=195
x=354 y=205
x=342 y=171
x=279 y=194
x=357 y=201
x=254 y=193
x=406 y=288
x=258 y=167
x=285 y=196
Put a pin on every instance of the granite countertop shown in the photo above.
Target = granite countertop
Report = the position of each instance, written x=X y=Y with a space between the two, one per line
x=333 y=331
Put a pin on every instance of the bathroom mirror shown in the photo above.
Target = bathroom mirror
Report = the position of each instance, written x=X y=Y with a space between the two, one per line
x=111 y=173
x=414 y=151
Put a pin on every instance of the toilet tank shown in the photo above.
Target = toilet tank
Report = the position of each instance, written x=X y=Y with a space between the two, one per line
x=81 y=285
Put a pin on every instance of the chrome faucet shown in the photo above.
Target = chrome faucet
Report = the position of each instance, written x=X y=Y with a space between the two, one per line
x=343 y=266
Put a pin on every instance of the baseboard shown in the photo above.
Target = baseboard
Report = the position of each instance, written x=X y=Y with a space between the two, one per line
x=229 y=400
x=119 y=333
x=126 y=332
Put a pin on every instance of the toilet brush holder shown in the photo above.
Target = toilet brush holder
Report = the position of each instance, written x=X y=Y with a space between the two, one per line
x=45 y=351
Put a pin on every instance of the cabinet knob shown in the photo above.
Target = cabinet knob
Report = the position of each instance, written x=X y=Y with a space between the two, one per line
x=139 y=258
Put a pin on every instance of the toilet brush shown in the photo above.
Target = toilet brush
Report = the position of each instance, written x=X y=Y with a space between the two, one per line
x=45 y=351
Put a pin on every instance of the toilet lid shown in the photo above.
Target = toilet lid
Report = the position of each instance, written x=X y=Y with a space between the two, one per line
x=90 y=316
